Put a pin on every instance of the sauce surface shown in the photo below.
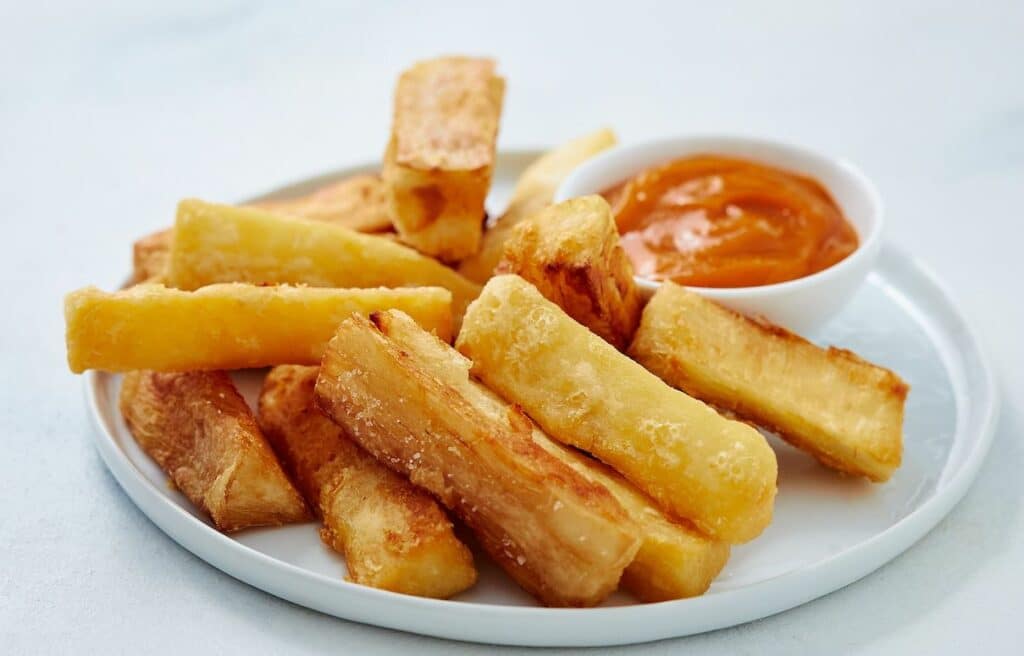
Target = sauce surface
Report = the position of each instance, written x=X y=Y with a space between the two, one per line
x=717 y=221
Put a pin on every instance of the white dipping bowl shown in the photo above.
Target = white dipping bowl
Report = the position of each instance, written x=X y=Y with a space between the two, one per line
x=802 y=305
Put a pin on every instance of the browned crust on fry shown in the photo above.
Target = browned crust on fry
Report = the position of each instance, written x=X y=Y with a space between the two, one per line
x=679 y=333
x=397 y=391
x=393 y=535
x=571 y=254
x=200 y=431
x=440 y=157
x=446 y=114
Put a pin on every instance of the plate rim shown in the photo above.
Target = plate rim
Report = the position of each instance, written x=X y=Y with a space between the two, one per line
x=552 y=627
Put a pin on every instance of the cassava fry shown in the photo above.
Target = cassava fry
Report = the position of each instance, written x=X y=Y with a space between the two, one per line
x=845 y=411
x=219 y=243
x=439 y=160
x=561 y=537
x=230 y=326
x=674 y=559
x=696 y=464
x=197 y=427
x=393 y=535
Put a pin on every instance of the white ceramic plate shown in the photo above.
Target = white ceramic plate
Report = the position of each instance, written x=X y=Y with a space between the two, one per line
x=828 y=531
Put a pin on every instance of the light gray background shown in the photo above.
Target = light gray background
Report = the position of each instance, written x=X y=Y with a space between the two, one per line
x=110 y=113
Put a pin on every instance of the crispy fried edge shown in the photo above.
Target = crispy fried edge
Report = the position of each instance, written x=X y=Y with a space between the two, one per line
x=570 y=252
x=163 y=410
x=446 y=115
x=414 y=549
x=440 y=156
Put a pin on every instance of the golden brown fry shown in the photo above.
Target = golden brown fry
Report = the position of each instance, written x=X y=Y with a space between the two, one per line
x=150 y=255
x=534 y=190
x=197 y=427
x=845 y=411
x=393 y=387
x=357 y=203
x=220 y=243
x=439 y=160
x=674 y=559
x=695 y=463
x=230 y=326
x=393 y=535
x=570 y=252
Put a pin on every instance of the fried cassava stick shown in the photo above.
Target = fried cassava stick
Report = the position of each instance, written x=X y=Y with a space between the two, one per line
x=563 y=538
x=202 y=434
x=393 y=535
x=696 y=464
x=219 y=243
x=231 y=326
x=439 y=160
x=844 y=410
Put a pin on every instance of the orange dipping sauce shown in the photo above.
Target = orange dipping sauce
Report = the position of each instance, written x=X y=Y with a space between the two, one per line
x=716 y=221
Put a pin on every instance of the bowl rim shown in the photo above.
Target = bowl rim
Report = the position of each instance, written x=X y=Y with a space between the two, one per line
x=867 y=247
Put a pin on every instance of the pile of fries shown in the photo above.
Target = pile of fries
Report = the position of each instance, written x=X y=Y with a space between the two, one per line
x=587 y=440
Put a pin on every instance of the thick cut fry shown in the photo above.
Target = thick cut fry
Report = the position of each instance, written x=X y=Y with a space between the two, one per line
x=845 y=411
x=696 y=464
x=674 y=559
x=357 y=203
x=561 y=537
x=151 y=254
x=439 y=160
x=197 y=427
x=570 y=252
x=220 y=243
x=534 y=191
x=393 y=535
x=230 y=326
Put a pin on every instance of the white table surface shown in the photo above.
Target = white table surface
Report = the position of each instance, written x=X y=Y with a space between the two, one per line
x=111 y=113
